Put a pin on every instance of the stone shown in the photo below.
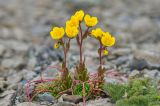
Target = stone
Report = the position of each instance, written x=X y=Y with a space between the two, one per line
x=138 y=64
x=121 y=51
x=7 y=98
x=31 y=62
x=45 y=97
x=153 y=58
x=50 y=73
x=72 y=98
x=13 y=63
x=153 y=74
x=134 y=73
x=27 y=74
x=100 y=102
x=27 y=104
x=2 y=50
x=64 y=104
x=3 y=84
x=121 y=60
x=18 y=46
x=145 y=27
x=7 y=92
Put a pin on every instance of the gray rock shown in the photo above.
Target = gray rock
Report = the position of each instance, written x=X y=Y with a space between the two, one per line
x=18 y=46
x=50 y=73
x=153 y=74
x=7 y=92
x=7 y=98
x=2 y=50
x=3 y=84
x=143 y=26
x=13 y=63
x=72 y=98
x=121 y=60
x=27 y=104
x=121 y=51
x=64 y=104
x=45 y=97
x=27 y=74
x=134 y=73
x=153 y=58
x=138 y=64
x=100 y=102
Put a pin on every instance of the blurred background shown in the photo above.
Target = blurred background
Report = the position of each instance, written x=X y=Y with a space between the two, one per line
x=26 y=47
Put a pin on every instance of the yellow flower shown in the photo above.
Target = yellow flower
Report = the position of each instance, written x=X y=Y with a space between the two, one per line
x=57 y=33
x=105 y=52
x=71 y=32
x=90 y=21
x=97 y=33
x=56 y=45
x=107 y=39
x=73 y=22
x=79 y=15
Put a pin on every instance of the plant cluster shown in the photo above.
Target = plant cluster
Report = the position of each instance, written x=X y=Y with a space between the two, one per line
x=137 y=92
x=72 y=30
x=80 y=83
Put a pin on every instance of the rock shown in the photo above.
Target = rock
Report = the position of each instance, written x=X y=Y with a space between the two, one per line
x=45 y=97
x=5 y=93
x=16 y=76
x=144 y=28
x=121 y=60
x=13 y=63
x=18 y=46
x=153 y=58
x=50 y=73
x=2 y=50
x=27 y=104
x=100 y=102
x=121 y=51
x=138 y=64
x=153 y=74
x=64 y=104
x=134 y=73
x=3 y=84
x=113 y=76
x=32 y=62
x=72 y=98
x=27 y=74
x=7 y=98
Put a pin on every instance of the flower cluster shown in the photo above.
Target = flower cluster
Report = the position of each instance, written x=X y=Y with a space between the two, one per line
x=105 y=38
x=73 y=30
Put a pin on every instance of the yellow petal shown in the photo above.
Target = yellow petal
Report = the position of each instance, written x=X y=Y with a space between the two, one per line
x=90 y=21
x=80 y=15
x=57 y=33
x=107 y=39
x=71 y=32
x=105 y=52
x=97 y=32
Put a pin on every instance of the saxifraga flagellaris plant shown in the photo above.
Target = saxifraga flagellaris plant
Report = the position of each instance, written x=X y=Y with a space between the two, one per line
x=81 y=84
x=105 y=40
x=73 y=30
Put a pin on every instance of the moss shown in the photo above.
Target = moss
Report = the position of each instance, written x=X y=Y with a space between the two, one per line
x=116 y=91
x=138 y=92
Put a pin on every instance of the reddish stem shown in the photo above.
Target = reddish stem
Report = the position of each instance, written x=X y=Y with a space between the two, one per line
x=80 y=43
x=100 y=53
